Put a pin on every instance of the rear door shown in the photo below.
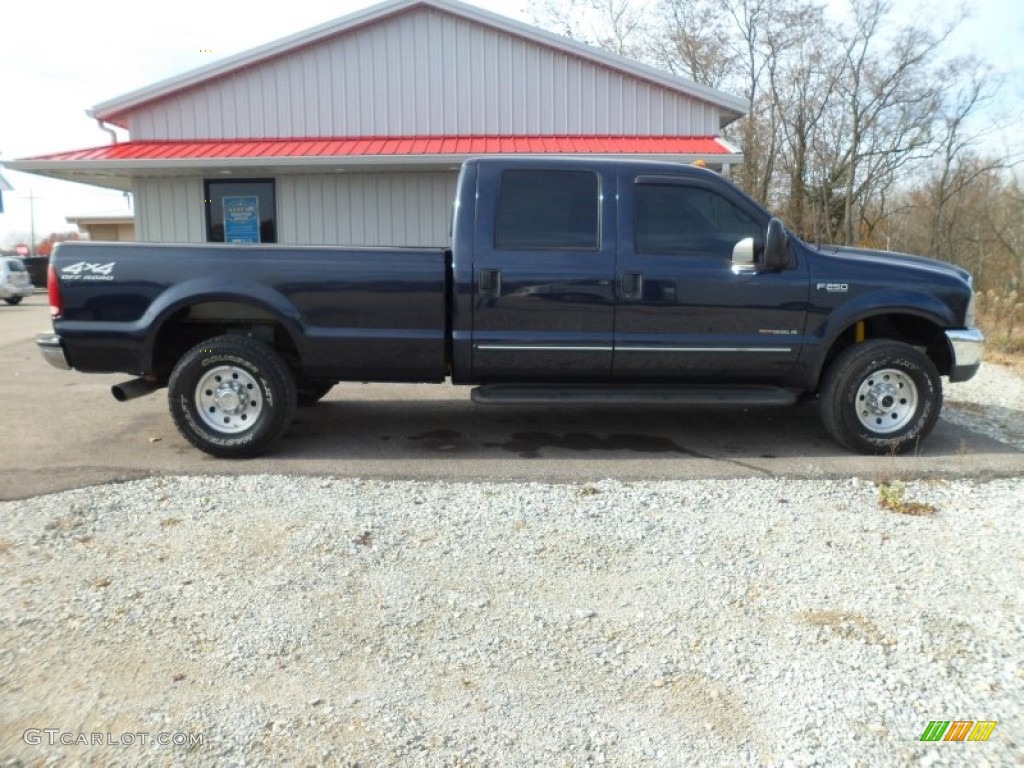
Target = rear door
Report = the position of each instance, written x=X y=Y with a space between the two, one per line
x=543 y=272
x=684 y=313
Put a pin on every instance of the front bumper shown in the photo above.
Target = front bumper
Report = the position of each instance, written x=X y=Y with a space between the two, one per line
x=966 y=347
x=52 y=349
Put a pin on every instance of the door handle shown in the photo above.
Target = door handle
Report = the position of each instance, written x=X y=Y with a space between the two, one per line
x=631 y=285
x=489 y=282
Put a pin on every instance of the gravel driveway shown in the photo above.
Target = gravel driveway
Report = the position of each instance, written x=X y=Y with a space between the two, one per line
x=322 y=621
x=271 y=620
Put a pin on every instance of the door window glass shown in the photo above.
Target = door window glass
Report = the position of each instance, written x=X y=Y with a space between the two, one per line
x=547 y=210
x=689 y=220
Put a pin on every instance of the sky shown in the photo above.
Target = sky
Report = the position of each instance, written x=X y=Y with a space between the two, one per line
x=59 y=58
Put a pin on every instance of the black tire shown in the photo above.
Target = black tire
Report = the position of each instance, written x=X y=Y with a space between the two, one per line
x=880 y=397
x=311 y=391
x=14 y=300
x=204 y=396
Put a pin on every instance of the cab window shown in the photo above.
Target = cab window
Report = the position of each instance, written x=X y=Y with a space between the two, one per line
x=547 y=210
x=689 y=220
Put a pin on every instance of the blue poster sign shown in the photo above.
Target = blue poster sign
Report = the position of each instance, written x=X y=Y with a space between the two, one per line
x=242 y=219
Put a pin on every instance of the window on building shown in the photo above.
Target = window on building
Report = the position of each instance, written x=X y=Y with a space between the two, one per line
x=241 y=211
x=547 y=210
x=689 y=220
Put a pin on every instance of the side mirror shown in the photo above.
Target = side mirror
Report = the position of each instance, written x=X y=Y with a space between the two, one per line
x=743 y=253
x=776 y=246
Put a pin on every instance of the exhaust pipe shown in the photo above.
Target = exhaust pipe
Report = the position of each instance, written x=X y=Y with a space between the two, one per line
x=129 y=390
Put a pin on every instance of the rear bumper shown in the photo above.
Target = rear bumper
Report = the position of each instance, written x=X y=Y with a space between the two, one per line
x=9 y=291
x=967 y=347
x=52 y=349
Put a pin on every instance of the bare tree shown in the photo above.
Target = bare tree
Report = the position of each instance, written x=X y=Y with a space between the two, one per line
x=614 y=25
x=889 y=97
x=958 y=167
x=691 y=41
x=847 y=112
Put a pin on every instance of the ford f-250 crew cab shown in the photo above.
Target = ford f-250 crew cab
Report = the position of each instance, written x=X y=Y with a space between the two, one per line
x=568 y=280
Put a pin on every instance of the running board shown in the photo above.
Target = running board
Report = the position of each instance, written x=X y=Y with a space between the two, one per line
x=527 y=394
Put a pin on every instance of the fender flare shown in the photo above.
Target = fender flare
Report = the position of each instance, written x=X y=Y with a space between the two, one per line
x=206 y=289
x=886 y=301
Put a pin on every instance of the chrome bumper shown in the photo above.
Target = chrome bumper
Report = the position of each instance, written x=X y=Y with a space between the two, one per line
x=52 y=349
x=966 y=347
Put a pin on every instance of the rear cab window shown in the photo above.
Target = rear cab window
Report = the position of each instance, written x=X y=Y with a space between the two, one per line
x=548 y=210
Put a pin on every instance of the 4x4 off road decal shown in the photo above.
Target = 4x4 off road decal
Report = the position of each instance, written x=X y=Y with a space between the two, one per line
x=87 y=270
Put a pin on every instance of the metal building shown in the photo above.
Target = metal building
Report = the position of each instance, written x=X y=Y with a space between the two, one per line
x=352 y=132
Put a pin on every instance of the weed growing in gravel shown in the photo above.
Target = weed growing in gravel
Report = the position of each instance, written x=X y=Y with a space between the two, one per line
x=892 y=495
x=589 y=490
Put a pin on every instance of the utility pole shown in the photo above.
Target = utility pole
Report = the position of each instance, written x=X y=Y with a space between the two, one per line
x=32 y=223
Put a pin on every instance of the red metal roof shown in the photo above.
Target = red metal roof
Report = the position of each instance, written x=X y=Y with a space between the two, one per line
x=396 y=146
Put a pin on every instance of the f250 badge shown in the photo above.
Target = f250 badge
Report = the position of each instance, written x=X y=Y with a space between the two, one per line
x=86 y=270
x=834 y=287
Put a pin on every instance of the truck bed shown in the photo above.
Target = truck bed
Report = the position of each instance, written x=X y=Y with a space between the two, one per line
x=351 y=313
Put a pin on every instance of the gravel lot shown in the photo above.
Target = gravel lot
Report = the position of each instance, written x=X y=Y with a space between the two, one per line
x=992 y=403
x=330 y=621
x=324 y=621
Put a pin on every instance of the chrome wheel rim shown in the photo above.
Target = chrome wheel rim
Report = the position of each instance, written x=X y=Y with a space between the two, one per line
x=886 y=401
x=229 y=399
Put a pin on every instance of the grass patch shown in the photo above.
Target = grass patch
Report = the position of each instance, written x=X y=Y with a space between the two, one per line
x=892 y=495
x=1001 y=316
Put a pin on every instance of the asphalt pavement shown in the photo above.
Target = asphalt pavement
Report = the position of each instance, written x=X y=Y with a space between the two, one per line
x=63 y=429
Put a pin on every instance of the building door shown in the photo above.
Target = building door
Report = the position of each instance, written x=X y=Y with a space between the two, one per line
x=241 y=211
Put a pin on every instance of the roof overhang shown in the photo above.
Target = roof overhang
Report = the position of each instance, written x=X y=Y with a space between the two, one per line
x=114 y=219
x=115 y=165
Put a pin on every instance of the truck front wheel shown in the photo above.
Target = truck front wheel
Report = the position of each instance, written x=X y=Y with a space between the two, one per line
x=231 y=396
x=881 y=396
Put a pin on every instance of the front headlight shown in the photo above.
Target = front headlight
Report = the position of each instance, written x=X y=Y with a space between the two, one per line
x=969 y=319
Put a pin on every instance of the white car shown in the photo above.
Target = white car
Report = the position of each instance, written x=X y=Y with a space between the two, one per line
x=14 y=282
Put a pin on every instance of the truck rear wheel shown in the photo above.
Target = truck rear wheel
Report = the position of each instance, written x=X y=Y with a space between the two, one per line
x=231 y=396
x=881 y=396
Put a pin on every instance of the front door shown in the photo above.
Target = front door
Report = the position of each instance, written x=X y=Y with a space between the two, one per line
x=543 y=277
x=684 y=313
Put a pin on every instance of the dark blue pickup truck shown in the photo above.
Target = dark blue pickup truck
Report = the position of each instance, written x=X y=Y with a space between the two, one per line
x=568 y=280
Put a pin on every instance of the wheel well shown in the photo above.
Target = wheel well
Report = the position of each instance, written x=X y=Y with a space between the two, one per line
x=910 y=329
x=193 y=324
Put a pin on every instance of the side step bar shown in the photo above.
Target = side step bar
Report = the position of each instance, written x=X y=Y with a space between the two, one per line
x=529 y=394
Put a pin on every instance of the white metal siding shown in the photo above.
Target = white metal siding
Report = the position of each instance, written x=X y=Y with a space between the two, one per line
x=424 y=72
x=366 y=208
x=169 y=210
x=413 y=209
